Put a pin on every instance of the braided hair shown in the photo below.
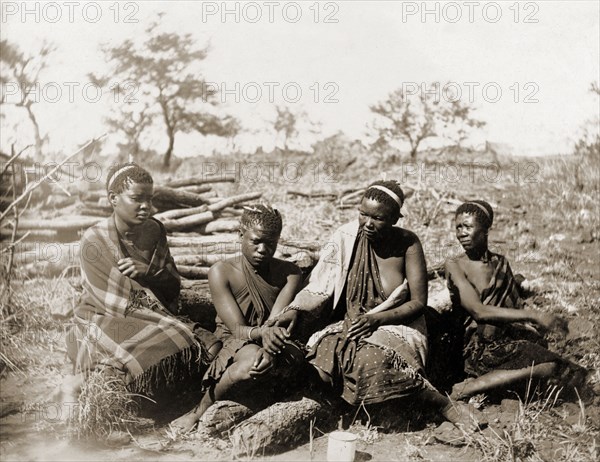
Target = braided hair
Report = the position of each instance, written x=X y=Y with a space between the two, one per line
x=481 y=210
x=120 y=174
x=383 y=197
x=263 y=216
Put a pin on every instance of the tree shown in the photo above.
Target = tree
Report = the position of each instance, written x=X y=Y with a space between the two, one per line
x=164 y=71
x=231 y=128
x=131 y=122
x=589 y=141
x=23 y=70
x=457 y=122
x=287 y=124
x=414 y=118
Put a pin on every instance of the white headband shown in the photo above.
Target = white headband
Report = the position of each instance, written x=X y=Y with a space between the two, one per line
x=483 y=209
x=117 y=173
x=390 y=193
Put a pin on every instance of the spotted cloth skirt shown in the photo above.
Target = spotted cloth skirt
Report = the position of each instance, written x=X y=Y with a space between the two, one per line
x=364 y=371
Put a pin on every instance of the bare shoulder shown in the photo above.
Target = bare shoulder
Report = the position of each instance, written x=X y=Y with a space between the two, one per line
x=406 y=239
x=455 y=265
x=221 y=270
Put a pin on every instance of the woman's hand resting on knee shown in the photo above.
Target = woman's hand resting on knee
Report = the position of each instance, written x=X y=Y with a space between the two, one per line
x=273 y=338
x=263 y=362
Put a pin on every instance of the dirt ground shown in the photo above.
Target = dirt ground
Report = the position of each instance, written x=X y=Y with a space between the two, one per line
x=549 y=230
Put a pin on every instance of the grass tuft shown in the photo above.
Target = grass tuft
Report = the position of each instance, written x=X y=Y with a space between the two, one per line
x=105 y=408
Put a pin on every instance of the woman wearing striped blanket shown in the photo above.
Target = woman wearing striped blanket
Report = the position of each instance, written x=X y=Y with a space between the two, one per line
x=126 y=322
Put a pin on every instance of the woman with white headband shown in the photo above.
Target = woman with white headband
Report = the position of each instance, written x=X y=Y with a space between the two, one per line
x=126 y=323
x=370 y=289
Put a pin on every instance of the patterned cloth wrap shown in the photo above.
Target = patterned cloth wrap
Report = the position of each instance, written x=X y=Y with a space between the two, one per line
x=387 y=364
x=509 y=346
x=255 y=300
x=125 y=325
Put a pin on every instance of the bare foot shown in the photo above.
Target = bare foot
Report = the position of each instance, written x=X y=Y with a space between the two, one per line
x=186 y=422
x=464 y=416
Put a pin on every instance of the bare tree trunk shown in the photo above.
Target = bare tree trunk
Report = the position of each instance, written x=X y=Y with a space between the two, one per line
x=413 y=152
x=167 y=158
x=170 y=124
x=39 y=143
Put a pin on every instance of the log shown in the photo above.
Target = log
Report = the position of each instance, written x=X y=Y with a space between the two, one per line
x=207 y=195
x=233 y=200
x=196 y=286
x=283 y=424
x=178 y=213
x=196 y=189
x=313 y=245
x=304 y=260
x=193 y=272
x=193 y=181
x=314 y=195
x=219 y=248
x=44 y=235
x=188 y=222
x=197 y=304
x=93 y=209
x=197 y=240
x=219 y=226
x=203 y=259
x=59 y=254
x=58 y=224
x=223 y=415
x=92 y=196
x=169 y=198
x=230 y=212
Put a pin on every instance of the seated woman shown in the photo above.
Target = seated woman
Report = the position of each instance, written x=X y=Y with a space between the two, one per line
x=500 y=347
x=125 y=322
x=248 y=292
x=373 y=275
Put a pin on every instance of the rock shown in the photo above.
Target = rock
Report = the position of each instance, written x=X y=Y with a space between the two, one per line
x=448 y=434
x=510 y=406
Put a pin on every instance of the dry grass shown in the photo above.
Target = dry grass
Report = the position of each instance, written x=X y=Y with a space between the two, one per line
x=538 y=433
x=549 y=229
x=105 y=408
x=27 y=328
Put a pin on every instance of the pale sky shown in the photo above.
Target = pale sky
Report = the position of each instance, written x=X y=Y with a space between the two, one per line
x=372 y=49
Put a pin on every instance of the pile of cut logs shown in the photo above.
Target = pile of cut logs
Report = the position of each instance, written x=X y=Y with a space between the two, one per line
x=202 y=229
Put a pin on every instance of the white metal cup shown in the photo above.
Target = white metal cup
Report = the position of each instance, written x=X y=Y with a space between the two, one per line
x=341 y=447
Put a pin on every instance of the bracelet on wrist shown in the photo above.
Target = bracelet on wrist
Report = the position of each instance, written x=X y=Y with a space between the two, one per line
x=250 y=333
